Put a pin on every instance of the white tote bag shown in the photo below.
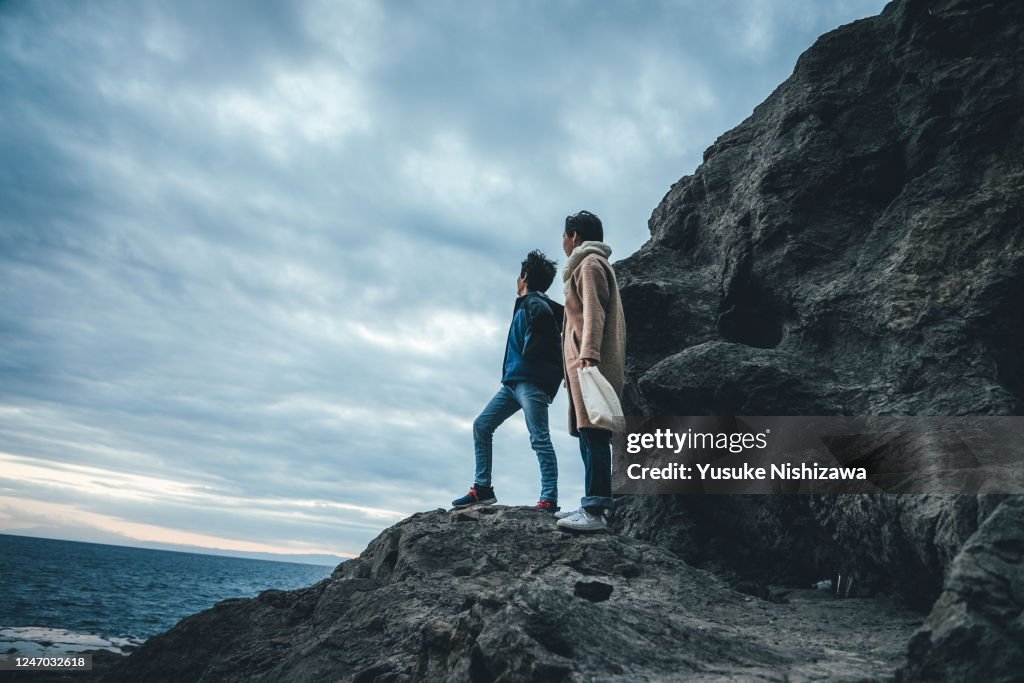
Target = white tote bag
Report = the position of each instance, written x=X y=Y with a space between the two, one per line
x=599 y=399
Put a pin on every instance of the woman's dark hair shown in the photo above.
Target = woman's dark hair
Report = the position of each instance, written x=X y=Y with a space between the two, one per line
x=587 y=225
x=538 y=271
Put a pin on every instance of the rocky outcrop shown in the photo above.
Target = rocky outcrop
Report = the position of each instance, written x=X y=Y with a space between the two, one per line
x=976 y=629
x=854 y=247
x=500 y=594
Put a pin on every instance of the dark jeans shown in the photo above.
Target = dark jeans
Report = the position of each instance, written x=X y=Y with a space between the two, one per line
x=534 y=402
x=596 y=450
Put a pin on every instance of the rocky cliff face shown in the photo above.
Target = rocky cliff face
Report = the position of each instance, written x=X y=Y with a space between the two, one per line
x=854 y=247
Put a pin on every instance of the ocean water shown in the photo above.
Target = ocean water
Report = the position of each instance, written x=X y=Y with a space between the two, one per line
x=63 y=596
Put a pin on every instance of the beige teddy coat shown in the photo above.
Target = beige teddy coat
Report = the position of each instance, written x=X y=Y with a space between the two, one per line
x=593 y=327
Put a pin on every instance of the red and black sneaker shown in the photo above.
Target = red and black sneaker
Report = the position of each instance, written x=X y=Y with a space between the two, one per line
x=546 y=506
x=478 y=495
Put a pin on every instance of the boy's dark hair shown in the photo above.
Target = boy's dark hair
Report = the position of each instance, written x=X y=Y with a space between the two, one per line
x=586 y=224
x=538 y=271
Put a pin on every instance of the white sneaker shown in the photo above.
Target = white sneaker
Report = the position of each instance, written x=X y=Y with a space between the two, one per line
x=582 y=520
x=562 y=514
x=566 y=513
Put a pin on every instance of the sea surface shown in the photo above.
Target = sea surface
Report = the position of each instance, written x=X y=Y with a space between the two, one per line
x=64 y=596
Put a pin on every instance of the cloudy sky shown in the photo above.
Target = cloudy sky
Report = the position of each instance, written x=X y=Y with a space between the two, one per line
x=258 y=259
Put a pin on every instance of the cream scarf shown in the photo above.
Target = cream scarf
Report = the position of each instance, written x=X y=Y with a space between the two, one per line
x=579 y=253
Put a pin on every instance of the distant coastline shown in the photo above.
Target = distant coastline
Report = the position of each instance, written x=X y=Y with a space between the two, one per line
x=318 y=560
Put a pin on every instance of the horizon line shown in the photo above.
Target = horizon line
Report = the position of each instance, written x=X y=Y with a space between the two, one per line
x=257 y=556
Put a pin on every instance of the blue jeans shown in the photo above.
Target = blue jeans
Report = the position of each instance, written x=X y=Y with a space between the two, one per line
x=534 y=401
x=596 y=450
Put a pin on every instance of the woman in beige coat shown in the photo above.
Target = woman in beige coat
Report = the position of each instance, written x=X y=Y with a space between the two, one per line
x=593 y=334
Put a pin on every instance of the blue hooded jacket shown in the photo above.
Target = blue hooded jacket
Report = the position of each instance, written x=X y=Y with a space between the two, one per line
x=533 y=352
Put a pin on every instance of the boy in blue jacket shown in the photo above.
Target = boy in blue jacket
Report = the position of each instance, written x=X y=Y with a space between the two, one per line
x=531 y=374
